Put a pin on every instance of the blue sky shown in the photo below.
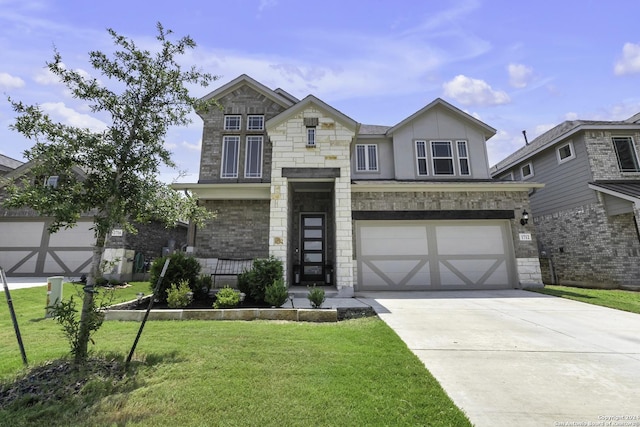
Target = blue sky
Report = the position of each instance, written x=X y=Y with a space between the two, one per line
x=514 y=65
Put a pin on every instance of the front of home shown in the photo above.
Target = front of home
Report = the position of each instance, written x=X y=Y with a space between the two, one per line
x=587 y=214
x=358 y=207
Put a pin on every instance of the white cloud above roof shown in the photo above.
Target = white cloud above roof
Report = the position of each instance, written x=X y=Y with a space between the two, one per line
x=630 y=61
x=69 y=116
x=468 y=91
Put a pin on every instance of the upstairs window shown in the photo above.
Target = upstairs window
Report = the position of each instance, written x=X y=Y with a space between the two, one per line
x=311 y=137
x=626 y=152
x=253 y=161
x=230 y=149
x=421 y=157
x=51 y=181
x=526 y=171
x=232 y=122
x=366 y=157
x=565 y=152
x=255 y=123
x=463 y=158
x=442 y=157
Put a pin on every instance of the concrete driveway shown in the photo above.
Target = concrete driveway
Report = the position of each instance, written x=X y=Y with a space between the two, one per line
x=517 y=358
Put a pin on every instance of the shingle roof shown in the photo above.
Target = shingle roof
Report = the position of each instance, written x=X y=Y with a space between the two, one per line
x=554 y=135
x=7 y=163
x=626 y=187
x=373 y=129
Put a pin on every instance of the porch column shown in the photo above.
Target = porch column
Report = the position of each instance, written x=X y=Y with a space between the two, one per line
x=344 y=239
x=278 y=220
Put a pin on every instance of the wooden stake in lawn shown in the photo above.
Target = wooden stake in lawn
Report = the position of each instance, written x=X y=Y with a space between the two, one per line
x=13 y=316
x=146 y=315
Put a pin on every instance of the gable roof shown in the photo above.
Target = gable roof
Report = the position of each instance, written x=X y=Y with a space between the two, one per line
x=558 y=134
x=439 y=102
x=26 y=167
x=242 y=80
x=8 y=164
x=305 y=103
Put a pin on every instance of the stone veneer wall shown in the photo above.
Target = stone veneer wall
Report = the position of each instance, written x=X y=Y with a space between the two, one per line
x=332 y=150
x=602 y=155
x=588 y=248
x=240 y=230
x=526 y=252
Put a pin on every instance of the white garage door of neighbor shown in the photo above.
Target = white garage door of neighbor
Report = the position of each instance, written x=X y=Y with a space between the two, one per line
x=27 y=249
x=425 y=255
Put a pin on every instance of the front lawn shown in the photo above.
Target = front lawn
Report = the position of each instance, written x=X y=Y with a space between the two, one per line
x=612 y=298
x=259 y=373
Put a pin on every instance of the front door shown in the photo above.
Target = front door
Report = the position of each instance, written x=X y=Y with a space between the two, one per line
x=312 y=231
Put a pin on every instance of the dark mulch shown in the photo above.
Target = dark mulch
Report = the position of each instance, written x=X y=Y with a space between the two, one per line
x=58 y=380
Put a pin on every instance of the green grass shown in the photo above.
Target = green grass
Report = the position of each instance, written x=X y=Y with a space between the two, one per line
x=202 y=373
x=612 y=298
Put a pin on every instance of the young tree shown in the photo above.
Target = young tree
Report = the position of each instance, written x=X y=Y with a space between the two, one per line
x=143 y=94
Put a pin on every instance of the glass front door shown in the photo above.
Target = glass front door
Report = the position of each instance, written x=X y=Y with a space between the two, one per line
x=312 y=230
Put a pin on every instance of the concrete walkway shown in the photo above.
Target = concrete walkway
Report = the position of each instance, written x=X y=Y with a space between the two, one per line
x=23 y=282
x=517 y=358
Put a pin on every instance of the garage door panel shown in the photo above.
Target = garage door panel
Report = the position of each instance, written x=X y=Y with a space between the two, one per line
x=21 y=233
x=470 y=272
x=470 y=240
x=407 y=240
x=397 y=255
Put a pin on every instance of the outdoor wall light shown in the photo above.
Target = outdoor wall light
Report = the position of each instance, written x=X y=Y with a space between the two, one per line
x=525 y=218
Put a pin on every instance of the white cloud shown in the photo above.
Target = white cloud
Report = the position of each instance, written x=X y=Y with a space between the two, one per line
x=519 y=75
x=468 y=91
x=193 y=147
x=69 y=116
x=10 y=82
x=46 y=77
x=542 y=128
x=266 y=4
x=571 y=116
x=630 y=61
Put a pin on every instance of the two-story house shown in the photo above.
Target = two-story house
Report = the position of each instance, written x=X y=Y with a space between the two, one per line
x=358 y=207
x=586 y=216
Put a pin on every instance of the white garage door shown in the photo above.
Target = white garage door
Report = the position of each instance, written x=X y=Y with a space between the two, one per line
x=424 y=255
x=27 y=249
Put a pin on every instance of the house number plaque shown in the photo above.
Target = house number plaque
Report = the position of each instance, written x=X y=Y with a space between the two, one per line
x=525 y=236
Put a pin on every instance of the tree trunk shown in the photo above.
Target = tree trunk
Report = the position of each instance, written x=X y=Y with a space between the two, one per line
x=87 y=302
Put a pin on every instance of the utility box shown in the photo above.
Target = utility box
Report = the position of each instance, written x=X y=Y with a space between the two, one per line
x=54 y=293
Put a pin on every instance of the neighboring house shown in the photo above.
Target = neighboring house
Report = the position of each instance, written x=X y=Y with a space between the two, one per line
x=358 y=207
x=587 y=214
x=28 y=249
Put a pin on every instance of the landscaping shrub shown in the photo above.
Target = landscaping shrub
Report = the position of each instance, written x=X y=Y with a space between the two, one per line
x=227 y=298
x=181 y=267
x=316 y=297
x=178 y=295
x=244 y=281
x=264 y=272
x=276 y=293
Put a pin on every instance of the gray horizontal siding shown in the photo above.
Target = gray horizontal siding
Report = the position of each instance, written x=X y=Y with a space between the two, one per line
x=566 y=184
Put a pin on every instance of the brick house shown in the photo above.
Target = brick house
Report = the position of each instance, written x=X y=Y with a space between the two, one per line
x=358 y=207
x=27 y=249
x=586 y=216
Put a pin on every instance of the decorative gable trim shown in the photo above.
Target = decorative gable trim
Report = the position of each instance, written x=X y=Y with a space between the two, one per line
x=310 y=100
x=285 y=102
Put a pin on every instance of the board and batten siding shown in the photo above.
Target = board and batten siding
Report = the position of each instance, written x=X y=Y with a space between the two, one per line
x=386 y=169
x=565 y=183
x=438 y=124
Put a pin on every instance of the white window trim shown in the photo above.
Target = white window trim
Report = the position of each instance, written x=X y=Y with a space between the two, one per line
x=249 y=117
x=311 y=141
x=239 y=122
x=224 y=155
x=367 y=166
x=530 y=168
x=508 y=177
x=426 y=157
x=52 y=181
x=246 y=160
x=434 y=158
x=457 y=154
x=570 y=157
